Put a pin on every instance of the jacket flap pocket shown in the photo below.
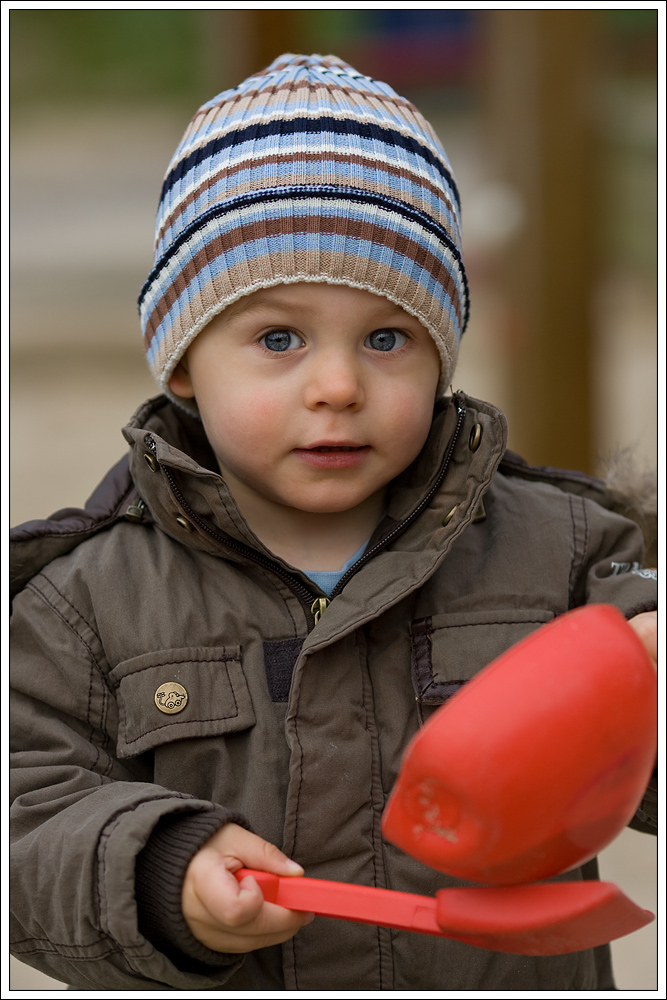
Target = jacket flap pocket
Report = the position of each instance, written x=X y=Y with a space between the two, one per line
x=180 y=694
x=447 y=650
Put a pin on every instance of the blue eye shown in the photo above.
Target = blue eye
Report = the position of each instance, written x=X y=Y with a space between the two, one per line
x=386 y=340
x=281 y=340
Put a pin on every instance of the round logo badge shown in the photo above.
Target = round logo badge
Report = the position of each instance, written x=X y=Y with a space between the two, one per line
x=171 y=697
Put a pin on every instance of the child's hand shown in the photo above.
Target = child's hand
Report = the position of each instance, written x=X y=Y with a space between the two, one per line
x=231 y=916
x=646 y=627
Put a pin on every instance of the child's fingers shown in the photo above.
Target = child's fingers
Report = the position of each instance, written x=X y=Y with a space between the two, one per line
x=646 y=627
x=247 y=913
x=226 y=901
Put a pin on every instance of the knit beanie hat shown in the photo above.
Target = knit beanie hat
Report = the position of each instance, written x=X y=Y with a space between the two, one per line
x=307 y=171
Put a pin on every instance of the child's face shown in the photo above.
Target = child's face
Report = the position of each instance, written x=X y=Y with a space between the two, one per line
x=312 y=396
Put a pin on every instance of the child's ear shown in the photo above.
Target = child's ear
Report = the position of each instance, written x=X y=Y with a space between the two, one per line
x=180 y=382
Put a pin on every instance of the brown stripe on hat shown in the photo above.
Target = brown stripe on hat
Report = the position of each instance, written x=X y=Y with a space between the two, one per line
x=266 y=228
x=308 y=179
x=291 y=86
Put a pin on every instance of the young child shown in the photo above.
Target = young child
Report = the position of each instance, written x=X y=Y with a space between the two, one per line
x=309 y=548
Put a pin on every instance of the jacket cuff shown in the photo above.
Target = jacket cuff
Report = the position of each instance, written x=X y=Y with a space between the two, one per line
x=639 y=609
x=159 y=875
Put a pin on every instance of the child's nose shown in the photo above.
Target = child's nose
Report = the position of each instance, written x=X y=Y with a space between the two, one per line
x=334 y=380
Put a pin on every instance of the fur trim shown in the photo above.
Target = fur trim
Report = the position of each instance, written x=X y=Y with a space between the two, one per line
x=634 y=494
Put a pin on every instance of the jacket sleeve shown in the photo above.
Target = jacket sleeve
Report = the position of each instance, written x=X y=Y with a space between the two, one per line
x=608 y=568
x=80 y=817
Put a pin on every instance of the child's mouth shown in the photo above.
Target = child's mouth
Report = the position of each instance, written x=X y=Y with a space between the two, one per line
x=327 y=456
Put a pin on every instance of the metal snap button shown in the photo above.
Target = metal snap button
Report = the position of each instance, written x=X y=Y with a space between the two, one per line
x=171 y=697
x=475 y=437
x=184 y=523
x=447 y=518
x=152 y=462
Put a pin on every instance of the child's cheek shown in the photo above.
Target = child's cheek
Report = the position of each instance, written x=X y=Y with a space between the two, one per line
x=410 y=416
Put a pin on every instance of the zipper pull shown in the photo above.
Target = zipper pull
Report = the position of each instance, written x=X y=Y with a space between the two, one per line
x=318 y=607
x=135 y=512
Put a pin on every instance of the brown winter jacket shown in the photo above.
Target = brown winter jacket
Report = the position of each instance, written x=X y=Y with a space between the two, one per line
x=292 y=727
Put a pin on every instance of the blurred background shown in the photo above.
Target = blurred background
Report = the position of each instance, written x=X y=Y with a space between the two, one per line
x=549 y=118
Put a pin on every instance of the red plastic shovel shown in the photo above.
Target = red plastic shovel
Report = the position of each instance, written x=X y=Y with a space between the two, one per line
x=546 y=919
x=528 y=771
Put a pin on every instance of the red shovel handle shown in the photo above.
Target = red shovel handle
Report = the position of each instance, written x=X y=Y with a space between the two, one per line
x=547 y=919
x=361 y=903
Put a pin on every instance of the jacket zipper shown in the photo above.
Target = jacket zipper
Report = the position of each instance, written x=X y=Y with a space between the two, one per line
x=313 y=605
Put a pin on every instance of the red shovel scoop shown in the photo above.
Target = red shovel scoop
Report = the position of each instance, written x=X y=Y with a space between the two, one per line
x=531 y=769
x=538 y=762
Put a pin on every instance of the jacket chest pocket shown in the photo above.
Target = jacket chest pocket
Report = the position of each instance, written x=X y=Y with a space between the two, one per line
x=447 y=650
x=180 y=694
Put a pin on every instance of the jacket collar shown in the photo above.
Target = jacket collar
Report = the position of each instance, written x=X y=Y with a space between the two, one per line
x=175 y=473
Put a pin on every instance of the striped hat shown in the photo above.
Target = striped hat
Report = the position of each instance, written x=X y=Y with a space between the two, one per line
x=307 y=171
